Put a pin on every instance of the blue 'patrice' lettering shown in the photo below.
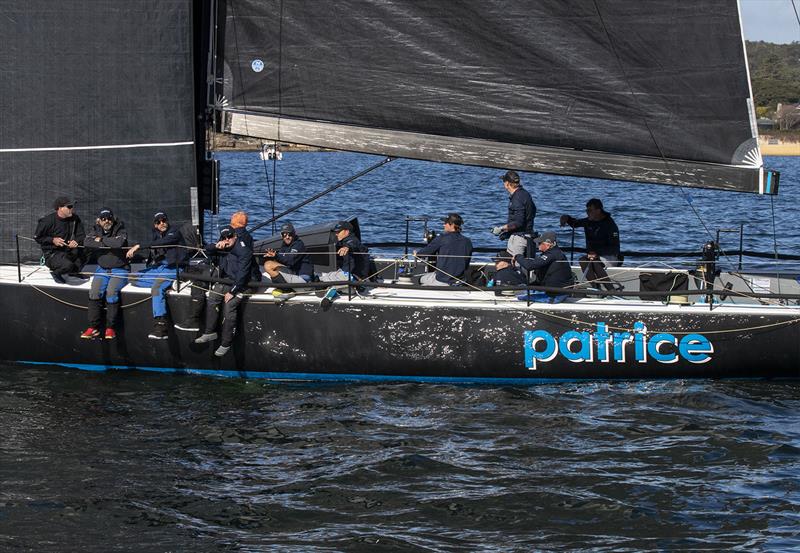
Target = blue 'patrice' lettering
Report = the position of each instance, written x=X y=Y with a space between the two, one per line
x=607 y=347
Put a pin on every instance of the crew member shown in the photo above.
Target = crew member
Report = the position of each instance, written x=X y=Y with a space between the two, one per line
x=290 y=263
x=505 y=274
x=60 y=234
x=239 y=266
x=453 y=251
x=521 y=212
x=352 y=260
x=165 y=258
x=207 y=269
x=551 y=268
x=602 y=243
x=106 y=240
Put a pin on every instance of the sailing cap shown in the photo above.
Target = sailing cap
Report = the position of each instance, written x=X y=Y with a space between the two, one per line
x=342 y=225
x=503 y=255
x=61 y=201
x=454 y=219
x=512 y=177
x=549 y=237
x=160 y=216
x=106 y=213
x=226 y=232
x=287 y=227
x=239 y=219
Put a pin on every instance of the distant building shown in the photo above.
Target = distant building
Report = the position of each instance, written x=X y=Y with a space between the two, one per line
x=787 y=117
x=765 y=124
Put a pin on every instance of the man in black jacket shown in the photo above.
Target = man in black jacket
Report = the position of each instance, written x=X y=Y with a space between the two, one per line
x=289 y=263
x=107 y=240
x=453 y=251
x=163 y=262
x=239 y=266
x=602 y=243
x=521 y=213
x=505 y=274
x=551 y=268
x=352 y=261
x=61 y=234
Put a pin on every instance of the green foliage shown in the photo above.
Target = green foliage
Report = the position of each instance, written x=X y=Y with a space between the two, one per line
x=774 y=72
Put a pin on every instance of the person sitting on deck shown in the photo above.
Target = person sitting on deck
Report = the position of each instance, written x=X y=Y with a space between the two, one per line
x=240 y=266
x=161 y=270
x=60 y=234
x=505 y=274
x=602 y=243
x=550 y=267
x=107 y=238
x=290 y=263
x=453 y=251
x=352 y=261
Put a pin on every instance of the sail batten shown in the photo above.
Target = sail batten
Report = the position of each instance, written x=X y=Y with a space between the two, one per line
x=665 y=79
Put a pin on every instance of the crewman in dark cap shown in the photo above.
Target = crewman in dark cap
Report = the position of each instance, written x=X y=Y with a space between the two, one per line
x=521 y=213
x=107 y=240
x=352 y=259
x=453 y=252
x=61 y=234
x=238 y=265
x=505 y=274
x=165 y=258
x=291 y=262
x=551 y=268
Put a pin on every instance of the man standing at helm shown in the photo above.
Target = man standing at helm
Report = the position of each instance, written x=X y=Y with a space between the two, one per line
x=521 y=212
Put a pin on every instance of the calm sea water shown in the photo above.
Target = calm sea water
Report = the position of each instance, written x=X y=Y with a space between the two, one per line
x=126 y=461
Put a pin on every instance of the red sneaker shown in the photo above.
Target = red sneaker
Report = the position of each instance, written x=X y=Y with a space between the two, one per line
x=110 y=334
x=90 y=333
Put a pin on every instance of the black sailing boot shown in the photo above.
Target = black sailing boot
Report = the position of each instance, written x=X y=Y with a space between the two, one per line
x=112 y=314
x=160 y=330
x=95 y=314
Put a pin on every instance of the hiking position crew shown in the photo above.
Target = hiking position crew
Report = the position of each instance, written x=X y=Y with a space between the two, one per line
x=106 y=241
x=60 y=234
x=161 y=270
x=239 y=266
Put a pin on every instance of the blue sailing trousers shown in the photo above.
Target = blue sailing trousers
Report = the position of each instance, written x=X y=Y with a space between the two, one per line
x=108 y=283
x=158 y=278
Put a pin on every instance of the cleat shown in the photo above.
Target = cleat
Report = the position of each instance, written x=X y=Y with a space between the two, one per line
x=207 y=337
x=90 y=333
x=110 y=334
x=222 y=350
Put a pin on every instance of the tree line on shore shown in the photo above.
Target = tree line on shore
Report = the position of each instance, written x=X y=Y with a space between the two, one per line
x=774 y=74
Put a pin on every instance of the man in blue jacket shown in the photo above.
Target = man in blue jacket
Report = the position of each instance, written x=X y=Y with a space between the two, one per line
x=521 y=213
x=453 y=251
x=291 y=262
x=551 y=268
x=240 y=267
x=162 y=266
x=352 y=261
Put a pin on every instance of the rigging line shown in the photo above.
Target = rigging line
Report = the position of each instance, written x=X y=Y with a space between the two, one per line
x=795 y=13
x=774 y=236
x=646 y=123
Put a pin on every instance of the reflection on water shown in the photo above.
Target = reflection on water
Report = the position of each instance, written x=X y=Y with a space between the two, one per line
x=100 y=462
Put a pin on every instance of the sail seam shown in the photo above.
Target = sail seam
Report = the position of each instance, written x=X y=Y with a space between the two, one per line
x=97 y=147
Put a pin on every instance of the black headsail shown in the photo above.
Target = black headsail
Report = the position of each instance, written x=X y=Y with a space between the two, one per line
x=97 y=103
x=654 y=91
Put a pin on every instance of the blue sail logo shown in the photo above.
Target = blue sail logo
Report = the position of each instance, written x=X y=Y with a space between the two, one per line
x=603 y=346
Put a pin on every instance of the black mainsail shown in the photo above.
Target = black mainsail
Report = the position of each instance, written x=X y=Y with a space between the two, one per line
x=654 y=91
x=98 y=103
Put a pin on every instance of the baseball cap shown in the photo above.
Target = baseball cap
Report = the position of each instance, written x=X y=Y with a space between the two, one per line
x=342 y=225
x=511 y=176
x=106 y=213
x=287 y=227
x=226 y=232
x=549 y=237
x=160 y=216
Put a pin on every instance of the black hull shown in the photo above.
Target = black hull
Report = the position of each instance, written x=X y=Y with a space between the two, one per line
x=400 y=340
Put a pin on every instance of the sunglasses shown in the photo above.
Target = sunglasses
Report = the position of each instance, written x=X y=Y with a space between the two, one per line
x=69 y=206
x=159 y=221
x=285 y=234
